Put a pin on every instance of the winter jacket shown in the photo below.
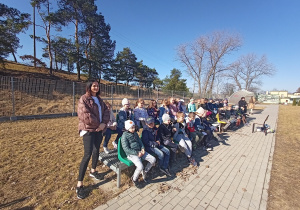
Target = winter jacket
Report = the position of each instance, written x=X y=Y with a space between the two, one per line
x=193 y=124
x=140 y=114
x=88 y=113
x=151 y=112
x=243 y=103
x=163 y=110
x=192 y=107
x=131 y=143
x=149 y=138
x=112 y=119
x=123 y=117
x=165 y=133
x=180 y=129
x=173 y=110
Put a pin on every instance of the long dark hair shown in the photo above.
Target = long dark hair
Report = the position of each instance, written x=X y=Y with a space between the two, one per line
x=89 y=85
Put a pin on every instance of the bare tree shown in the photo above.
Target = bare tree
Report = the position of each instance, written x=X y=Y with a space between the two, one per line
x=248 y=70
x=203 y=58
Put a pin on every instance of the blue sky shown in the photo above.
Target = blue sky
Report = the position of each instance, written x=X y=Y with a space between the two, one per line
x=153 y=29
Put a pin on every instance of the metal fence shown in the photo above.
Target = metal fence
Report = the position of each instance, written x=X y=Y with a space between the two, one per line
x=35 y=98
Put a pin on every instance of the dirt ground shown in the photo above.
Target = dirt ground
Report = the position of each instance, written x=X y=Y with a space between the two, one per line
x=284 y=190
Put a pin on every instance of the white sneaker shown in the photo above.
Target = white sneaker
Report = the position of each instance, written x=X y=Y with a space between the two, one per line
x=106 y=150
x=115 y=145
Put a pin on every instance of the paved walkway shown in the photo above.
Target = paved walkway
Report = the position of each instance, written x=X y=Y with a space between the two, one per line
x=235 y=175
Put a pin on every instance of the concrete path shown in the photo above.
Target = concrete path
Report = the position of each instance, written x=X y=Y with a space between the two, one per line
x=235 y=175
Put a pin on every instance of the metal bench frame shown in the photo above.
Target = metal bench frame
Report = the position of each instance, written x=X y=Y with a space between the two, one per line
x=112 y=161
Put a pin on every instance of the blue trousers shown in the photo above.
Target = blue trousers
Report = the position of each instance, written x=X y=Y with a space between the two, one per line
x=163 y=154
x=108 y=133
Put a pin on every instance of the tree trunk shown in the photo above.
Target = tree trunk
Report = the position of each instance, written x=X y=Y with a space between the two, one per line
x=34 y=46
x=77 y=50
x=13 y=53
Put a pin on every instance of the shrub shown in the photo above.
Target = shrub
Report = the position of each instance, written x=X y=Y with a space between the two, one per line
x=294 y=102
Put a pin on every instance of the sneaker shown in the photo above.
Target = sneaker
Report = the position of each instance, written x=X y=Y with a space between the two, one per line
x=226 y=126
x=115 y=145
x=181 y=148
x=217 y=137
x=192 y=161
x=96 y=175
x=80 y=192
x=106 y=150
x=136 y=183
x=168 y=172
x=144 y=175
x=163 y=171
x=209 y=149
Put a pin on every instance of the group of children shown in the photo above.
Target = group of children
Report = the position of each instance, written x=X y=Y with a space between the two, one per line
x=177 y=131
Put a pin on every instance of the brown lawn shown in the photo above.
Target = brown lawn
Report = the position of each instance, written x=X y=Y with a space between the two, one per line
x=284 y=190
x=39 y=166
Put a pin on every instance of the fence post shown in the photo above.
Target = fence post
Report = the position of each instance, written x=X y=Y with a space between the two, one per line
x=112 y=96
x=74 y=113
x=13 y=117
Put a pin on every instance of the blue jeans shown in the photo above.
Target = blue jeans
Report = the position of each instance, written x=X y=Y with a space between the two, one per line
x=163 y=155
x=108 y=135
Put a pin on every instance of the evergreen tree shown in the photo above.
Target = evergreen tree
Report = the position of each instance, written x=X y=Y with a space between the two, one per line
x=73 y=11
x=145 y=75
x=174 y=82
x=12 y=22
x=98 y=47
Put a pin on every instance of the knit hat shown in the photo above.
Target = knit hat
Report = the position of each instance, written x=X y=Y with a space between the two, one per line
x=129 y=124
x=200 y=111
x=125 y=101
x=166 y=117
x=149 y=120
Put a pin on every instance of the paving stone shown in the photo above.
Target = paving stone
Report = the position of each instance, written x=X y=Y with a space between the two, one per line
x=210 y=208
x=194 y=203
x=215 y=202
x=237 y=178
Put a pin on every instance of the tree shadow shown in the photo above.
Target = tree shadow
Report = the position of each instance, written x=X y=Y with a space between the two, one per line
x=15 y=202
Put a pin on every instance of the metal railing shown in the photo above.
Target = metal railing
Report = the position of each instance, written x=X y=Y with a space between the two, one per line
x=23 y=98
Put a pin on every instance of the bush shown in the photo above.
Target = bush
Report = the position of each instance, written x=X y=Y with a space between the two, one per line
x=294 y=102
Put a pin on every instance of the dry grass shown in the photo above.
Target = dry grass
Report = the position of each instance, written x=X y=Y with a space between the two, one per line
x=39 y=166
x=284 y=190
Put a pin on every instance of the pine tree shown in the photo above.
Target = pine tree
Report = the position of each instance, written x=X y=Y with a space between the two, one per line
x=12 y=22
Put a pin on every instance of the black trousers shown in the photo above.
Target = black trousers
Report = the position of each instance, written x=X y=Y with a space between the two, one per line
x=91 y=143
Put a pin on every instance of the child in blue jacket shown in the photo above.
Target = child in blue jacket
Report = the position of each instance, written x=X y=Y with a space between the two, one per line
x=154 y=145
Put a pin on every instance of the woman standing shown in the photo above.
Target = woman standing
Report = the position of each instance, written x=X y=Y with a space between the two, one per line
x=251 y=105
x=93 y=117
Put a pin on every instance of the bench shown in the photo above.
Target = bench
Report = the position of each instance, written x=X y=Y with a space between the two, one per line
x=116 y=160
